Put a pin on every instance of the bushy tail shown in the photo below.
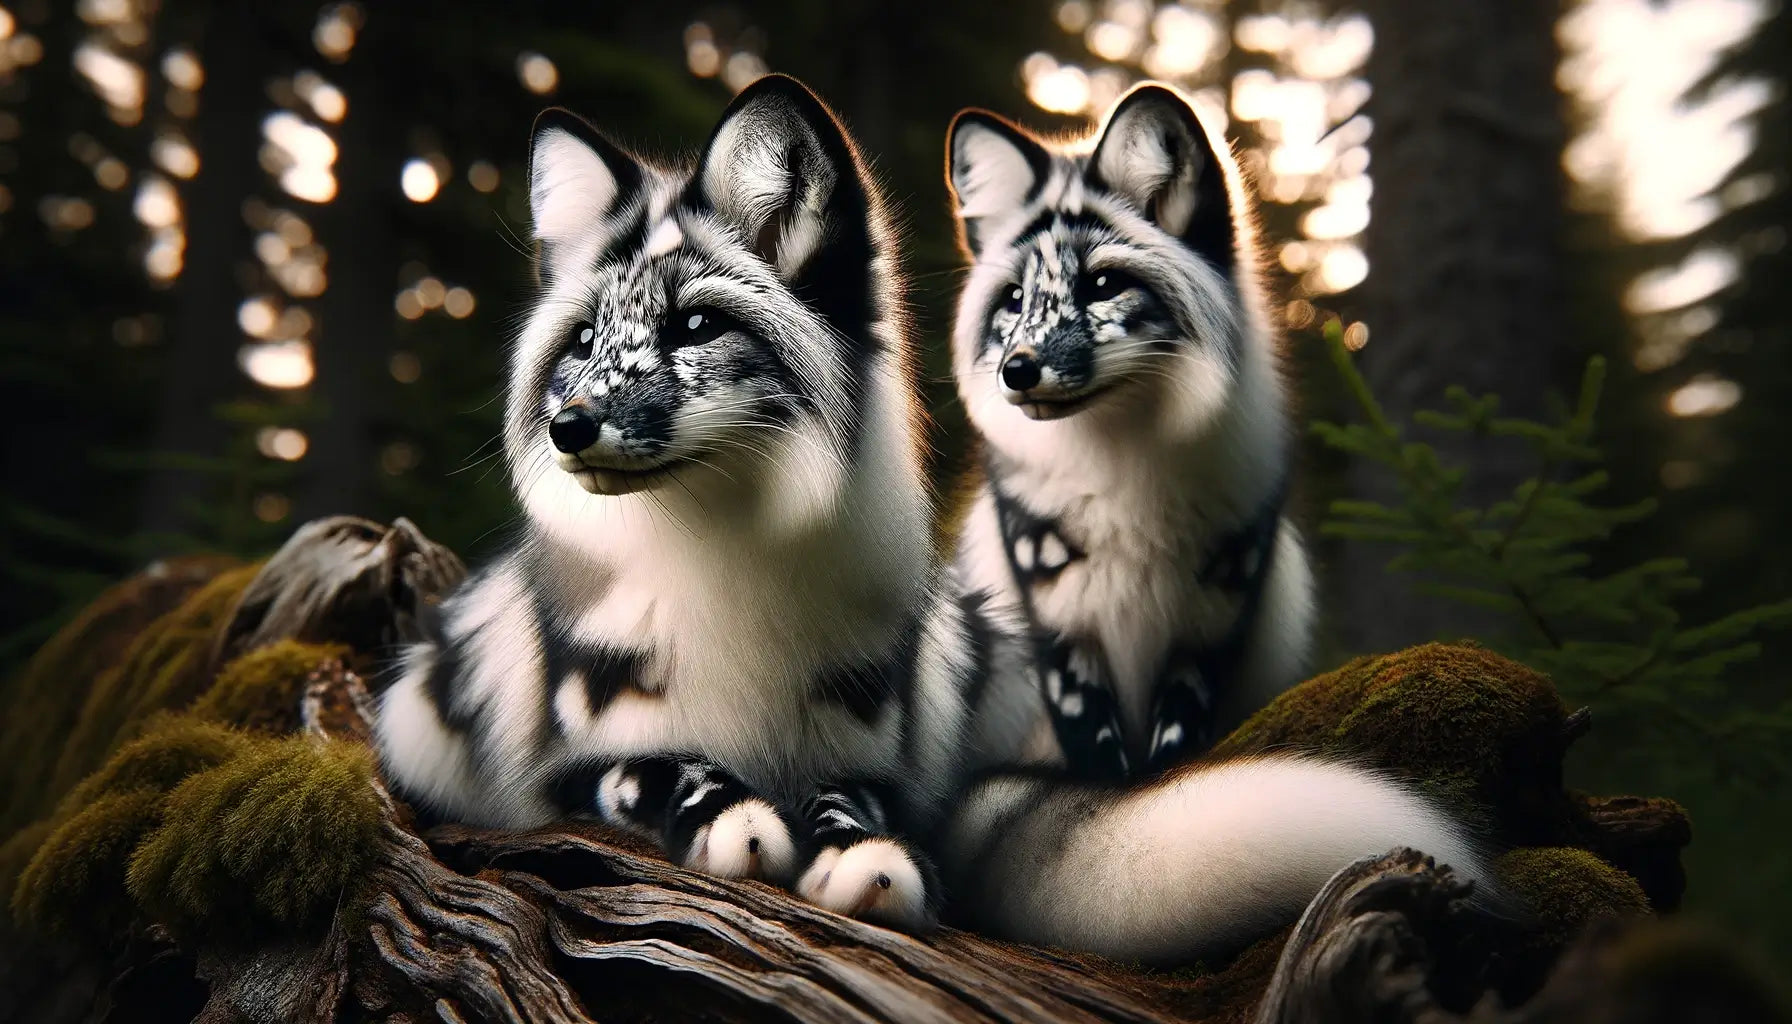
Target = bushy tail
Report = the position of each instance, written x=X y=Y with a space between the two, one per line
x=1195 y=865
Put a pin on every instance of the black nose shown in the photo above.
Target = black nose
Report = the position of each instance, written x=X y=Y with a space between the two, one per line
x=1020 y=372
x=574 y=429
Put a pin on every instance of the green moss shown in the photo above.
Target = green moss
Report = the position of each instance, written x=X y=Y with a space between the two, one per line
x=163 y=669
x=17 y=852
x=44 y=700
x=261 y=690
x=277 y=835
x=175 y=747
x=1564 y=888
x=1465 y=722
x=76 y=880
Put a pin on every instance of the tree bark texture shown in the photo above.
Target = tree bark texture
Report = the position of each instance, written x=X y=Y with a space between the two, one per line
x=201 y=369
x=579 y=923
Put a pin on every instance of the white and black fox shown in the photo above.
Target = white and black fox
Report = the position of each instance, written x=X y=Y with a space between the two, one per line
x=723 y=623
x=1112 y=350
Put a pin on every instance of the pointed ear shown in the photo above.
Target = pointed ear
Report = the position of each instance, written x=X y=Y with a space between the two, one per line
x=993 y=167
x=576 y=177
x=1155 y=153
x=781 y=170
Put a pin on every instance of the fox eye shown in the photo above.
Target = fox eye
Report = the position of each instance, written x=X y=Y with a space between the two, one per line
x=1105 y=284
x=1012 y=302
x=697 y=327
x=579 y=340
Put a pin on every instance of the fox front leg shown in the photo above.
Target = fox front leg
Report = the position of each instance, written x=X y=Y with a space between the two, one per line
x=856 y=865
x=700 y=814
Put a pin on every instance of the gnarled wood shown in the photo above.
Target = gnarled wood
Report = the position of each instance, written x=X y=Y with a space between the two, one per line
x=579 y=923
x=343 y=579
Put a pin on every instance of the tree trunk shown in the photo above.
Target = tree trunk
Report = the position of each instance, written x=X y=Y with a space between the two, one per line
x=1465 y=270
x=201 y=369
x=354 y=333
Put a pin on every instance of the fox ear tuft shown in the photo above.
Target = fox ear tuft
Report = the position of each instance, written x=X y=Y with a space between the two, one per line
x=992 y=167
x=576 y=176
x=1155 y=153
x=781 y=169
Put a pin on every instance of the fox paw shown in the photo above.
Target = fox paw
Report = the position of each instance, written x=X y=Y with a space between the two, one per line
x=747 y=840
x=873 y=880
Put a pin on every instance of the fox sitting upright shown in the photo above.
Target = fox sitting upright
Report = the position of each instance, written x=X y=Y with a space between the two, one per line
x=721 y=624
x=1113 y=352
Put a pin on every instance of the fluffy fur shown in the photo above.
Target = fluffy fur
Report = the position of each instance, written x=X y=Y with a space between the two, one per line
x=723 y=606
x=1129 y=521
x=1197 y=864
x=1145 y=441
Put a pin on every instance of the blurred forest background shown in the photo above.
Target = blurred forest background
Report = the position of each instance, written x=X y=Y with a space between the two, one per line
x=258 y=263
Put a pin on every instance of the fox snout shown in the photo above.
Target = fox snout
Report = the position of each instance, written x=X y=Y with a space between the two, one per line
x=1060 y=367
x=575 y=428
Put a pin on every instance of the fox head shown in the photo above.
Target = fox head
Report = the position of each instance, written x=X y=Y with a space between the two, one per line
x=1107 y=277
x=730 y=324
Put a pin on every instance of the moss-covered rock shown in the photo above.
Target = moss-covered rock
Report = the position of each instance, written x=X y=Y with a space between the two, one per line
x=164 y=669
x=175 y=747
x=1563 y=888
x=261 y=690
x=44 y=700
x=75 y=882
x=276 y=835
x=1481 y=732
x=17 y=851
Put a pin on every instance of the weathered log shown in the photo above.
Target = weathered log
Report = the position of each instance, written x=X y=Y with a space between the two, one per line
x=1384 y=941
x=342 y=579
x=581 y=923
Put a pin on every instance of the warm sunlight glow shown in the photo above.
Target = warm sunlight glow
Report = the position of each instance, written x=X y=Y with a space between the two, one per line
x=66 y=213
x=1111 y=40
x=304 y=143
x=111 y=174
x=743 y=69
x=312 y=184
x=537 y=73
x=258 y=317
x=419 y=181
x=174 y=154
x=1186 y=41
x=431 y=292
x=166 y=255
x=157 y=204
x=1059 y=88
x=334 y=34
x=182 y=70
x=281 y=364
x=1073 y=15
x=1343 y=268
x=283 y=443
x=271 y=508
x=325 y=100
x=458 y=303
x=1704 y=271
x=118 y=81
x=405 y=367
x=483 y=176
x=1629 y=64
x=6 y=24
x=1704 y=395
